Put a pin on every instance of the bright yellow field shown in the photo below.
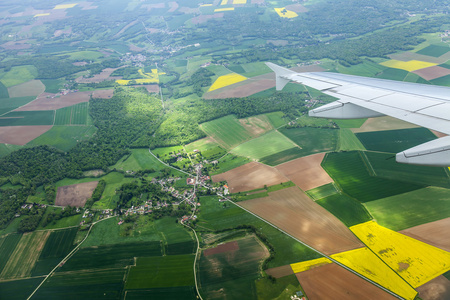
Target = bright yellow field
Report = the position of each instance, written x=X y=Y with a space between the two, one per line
x=239 y=1
x=409 y=66
x=203 y=5
x=366 y=263
x=306 y=265
x=152 y=77
x=41 y=15
x=224 y=9
x=64 y=6
x=224 y=2
x=226 y=80
x=414 y=261
x=284 y=13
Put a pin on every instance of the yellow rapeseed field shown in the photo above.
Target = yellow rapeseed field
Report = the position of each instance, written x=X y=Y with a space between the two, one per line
x=284 y=13
x=224 y=9
x=226 y=80
x=203 y=5
x=64 y=6
x=152 y=77
x=224 y=2
x=306 y=265
x=409 y=66
x=239 y=1
x=416 y=262
x=41 y=15
x=366 y=263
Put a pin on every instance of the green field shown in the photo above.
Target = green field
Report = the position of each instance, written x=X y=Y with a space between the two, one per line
x=85 y=284
x=6 y=149
x=385 y=166
x=201 y=145
x=18 y=75
x=393 y=74
x=227 y=131
x=394 y=141
x=8 y=104
x=27 y=118
x=283 y=156
x=313 y=140
x=52 y=85
x=348 y=141
x=218 y=216
x=306 y=121
x=346 y=209
x=228 y=163
x=265 y=145
x=235 y=273
x=3 y=91
x=322 y=191
x=282 y=288
x=161 y=271
x=276 y=119
x=350 y=173
x=174 y=235
x=140 y=159
x=7 y=246
x=72 y=115
x=351 y=123
x=172 y=293
x=255 y=69
x=434 y=50
x=411 y=209
x=64 y=137
x=366 y=68
x=18 y=289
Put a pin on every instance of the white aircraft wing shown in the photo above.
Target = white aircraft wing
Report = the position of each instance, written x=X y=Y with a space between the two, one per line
x=363 y=97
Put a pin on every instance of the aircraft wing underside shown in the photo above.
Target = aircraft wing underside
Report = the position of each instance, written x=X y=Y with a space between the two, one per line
x=363 y=97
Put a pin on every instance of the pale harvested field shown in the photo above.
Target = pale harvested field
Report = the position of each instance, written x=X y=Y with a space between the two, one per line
x=30 y=88
x=298 y=8
x=76 y=194
x=44 y=103
x=383 y=123
x=433 y=233
x=104 y=94
x=334 y=282
x=256 y=125
x=306 y=172
x=250 y=176
x=25 y=255
x=294 y=212
x=436 y=289
x=279 y=272
x=432 y=72
x=20 y=135
x=104 y=75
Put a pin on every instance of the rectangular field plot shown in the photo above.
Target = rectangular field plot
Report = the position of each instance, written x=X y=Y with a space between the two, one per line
x=234 y=269
x=411 y=209
x=7 y=246
x=27 y=118
x=348 y=141
x=227 y=131
x=59 y=243
x=172 y=293
x=276 y=119
x=18 y=289
x=9 y=104
x=64 y=137
x=350 y=171
x=313 y=140
x=86 y=284
x=385 y=167
x=72 y=115
x=394 y=141
x=322 y=191
x=434 y=50
x=265 y=145
x=161 y=271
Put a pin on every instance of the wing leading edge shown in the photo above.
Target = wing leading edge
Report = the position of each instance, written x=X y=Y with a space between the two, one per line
x=363 y=97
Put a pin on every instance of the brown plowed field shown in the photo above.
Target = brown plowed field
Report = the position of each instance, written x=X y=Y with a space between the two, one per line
x=334 y=282
x=433 y=233
x=104 y=94
x=306 y=172
x=436 y=289
x=44 y=103
x=250 y=176
x=383 y=123
x=279 y=272
x=227 y=247
x=406 y=56
x=292 y=211
x=76 y=194
x=432 y=72
x=20 y=135
x=104 y=75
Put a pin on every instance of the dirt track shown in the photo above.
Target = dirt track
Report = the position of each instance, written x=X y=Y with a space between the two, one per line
x=306 y=172
x=250 y=176
x=294 y=212
x=334 y=282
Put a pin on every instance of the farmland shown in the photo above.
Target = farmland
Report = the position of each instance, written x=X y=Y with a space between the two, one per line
x=306 y=172
x=63 y=137
x=227 y=131
x=7 y=246
x=229 y=162
x=18 y=75
x=8 y=104
x=394 y=141
x=411 y=209
x=411 y=65
x=226 y=80
x=433 y=233
x=75 y=195
x=140 y=159
x=172 y=293
x=30 y=88
x=27 y=118
x=322 y=191
x=434 y=50
x=72 y=115
x=350 y=173
x=265 y=145
x=291 y=210
x=348 y=141
x=313 y=140
x=416 y=262
x=276 y=119
x=346 y=209
x=383 y=123
x=232 y=273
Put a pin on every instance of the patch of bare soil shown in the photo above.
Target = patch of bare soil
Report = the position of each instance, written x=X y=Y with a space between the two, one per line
x=279 y=272
x=47 y=101
x=436 y=289
x=432 y=72
x=21 y=135
x=227 y=247
x=76 y=194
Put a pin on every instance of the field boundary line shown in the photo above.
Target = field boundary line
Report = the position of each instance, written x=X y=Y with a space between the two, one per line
x=324 y=255
x=65 y=259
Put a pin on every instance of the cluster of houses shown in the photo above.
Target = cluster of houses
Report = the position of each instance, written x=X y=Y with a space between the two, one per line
x=136 y=59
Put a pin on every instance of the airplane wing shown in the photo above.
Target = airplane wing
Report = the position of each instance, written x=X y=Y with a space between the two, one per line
x=363 y=97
